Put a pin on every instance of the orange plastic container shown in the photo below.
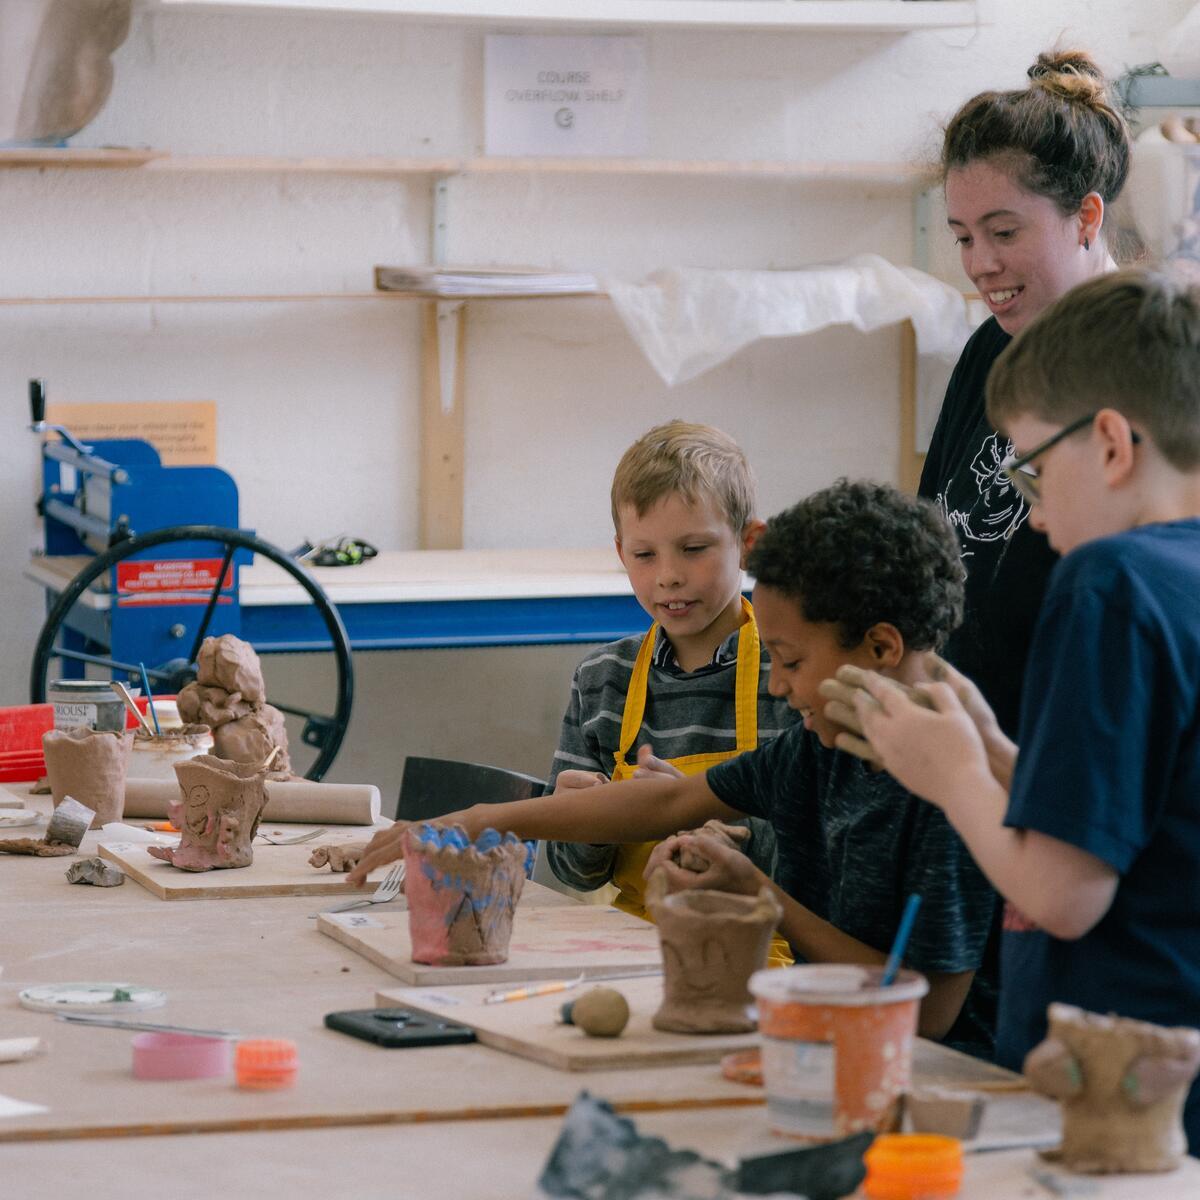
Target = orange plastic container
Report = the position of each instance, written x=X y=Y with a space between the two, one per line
x=837 y=1047
x=913 y=1166
x=265 y=1063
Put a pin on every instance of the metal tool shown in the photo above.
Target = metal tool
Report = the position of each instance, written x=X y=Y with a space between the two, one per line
x=148 y=1026
x=295 y=840
x=389 y=889
x=123 y=692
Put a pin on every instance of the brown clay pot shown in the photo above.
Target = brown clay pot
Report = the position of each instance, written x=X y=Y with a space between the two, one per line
x=89 y=766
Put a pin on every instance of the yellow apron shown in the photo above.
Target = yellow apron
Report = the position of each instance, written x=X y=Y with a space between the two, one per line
x=632 y=856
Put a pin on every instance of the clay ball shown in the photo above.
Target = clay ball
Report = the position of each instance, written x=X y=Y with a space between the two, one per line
x=602 y=1012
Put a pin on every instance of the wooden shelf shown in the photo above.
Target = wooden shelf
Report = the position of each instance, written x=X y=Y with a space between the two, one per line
x=866 y=16
x=882 y=174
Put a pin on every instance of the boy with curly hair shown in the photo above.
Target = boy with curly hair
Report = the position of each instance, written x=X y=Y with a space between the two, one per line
x=855 y=574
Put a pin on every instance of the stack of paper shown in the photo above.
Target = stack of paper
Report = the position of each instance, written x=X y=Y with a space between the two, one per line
x=468 y=281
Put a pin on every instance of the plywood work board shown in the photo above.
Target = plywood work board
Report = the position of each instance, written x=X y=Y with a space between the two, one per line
x=547 y=943
x=532 y=1028
x=275 y=871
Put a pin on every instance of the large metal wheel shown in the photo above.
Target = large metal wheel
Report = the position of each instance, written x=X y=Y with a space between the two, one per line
x=322 y=731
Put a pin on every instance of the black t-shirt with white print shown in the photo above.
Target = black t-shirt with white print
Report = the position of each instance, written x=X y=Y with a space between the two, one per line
x=1007 y=563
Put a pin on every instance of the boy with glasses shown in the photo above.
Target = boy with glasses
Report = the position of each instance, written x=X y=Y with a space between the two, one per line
x=1092 y=834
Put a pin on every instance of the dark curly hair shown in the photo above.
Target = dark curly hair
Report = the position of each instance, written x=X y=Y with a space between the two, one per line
x=859 y=553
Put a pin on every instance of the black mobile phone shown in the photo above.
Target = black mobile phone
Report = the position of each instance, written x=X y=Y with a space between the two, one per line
x=398 y=1027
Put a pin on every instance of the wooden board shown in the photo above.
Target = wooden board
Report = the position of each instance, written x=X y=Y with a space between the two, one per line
x=547 y=943
x=532 y=1028
x=275 y=871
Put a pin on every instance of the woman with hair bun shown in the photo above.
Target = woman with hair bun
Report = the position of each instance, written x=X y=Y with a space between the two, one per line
x=1028 y=175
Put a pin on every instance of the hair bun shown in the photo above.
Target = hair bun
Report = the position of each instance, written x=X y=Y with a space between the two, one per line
x=1070 y=75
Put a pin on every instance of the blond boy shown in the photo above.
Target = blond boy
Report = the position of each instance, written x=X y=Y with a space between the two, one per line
x=691 y=692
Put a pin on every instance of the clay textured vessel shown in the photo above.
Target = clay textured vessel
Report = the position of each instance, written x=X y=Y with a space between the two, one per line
x=218 y=813
x=461 y=896
x=89 y=766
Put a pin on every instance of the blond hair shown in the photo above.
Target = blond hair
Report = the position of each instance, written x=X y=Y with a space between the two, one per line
x=696 y=462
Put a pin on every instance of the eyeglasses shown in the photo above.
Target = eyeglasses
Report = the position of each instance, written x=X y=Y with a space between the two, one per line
x=1026 y=478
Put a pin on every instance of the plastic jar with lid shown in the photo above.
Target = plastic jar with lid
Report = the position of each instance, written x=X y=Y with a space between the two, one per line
x=90 y=702
x=913 y=1166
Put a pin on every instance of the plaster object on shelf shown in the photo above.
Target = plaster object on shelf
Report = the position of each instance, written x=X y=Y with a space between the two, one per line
x=55 y=67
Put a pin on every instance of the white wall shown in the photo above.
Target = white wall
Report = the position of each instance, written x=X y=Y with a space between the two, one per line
x=317 y=402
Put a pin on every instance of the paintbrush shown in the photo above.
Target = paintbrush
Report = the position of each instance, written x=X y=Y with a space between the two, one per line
x=564 y=985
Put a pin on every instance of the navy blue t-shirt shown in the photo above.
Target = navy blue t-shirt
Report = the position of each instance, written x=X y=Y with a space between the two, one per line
x=1110 y=762
x=853 y=845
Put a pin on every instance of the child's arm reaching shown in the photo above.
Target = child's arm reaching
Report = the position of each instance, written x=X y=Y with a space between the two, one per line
x=814 y=939
x=637 y=810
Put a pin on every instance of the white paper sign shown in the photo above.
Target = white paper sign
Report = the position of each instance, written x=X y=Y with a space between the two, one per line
x=565 y=95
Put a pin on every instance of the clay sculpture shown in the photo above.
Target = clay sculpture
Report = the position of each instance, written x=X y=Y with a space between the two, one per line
x=90 y=766
x=229 y=696
x=1122 y=1085
x=343 y=857
x=218 y=814
x=461 y=897
x=691 y=858
x=712 y=942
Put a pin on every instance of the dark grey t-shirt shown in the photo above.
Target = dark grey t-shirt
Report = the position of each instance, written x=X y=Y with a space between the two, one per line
x=852 y=846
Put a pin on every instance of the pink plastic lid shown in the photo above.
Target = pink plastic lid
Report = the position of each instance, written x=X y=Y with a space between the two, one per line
x=180 y=1056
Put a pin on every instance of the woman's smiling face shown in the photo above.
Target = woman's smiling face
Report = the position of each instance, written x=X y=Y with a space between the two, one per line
x=1017 y=248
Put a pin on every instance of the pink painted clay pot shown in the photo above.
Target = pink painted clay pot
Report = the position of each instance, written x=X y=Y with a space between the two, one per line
x=461 y=897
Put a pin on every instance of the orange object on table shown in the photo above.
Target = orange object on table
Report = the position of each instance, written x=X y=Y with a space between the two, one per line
x=913 y=1166
x=265 y=1063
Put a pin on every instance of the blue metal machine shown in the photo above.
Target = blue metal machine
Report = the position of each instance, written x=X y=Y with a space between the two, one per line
x=98 y=495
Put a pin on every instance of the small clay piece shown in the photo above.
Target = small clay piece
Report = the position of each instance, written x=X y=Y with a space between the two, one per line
x=461 y=897
x=942 y=1110
x=826 y=1172
x=690 y=858
x=229 y=696
x=95 y=871
x=35 y=846
x=90 y=766
x=342 y=857
x=600 y=1012
x=218 y=814
x=1122 y=1084
x=712 y=942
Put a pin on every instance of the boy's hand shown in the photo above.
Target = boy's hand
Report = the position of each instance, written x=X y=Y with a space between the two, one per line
x=650 y=767
x=385 y=847
x=936 y=753
x=573 y=781
x=729 y=870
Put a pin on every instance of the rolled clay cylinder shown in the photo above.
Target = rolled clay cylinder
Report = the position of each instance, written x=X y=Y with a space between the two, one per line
x=301 y=801
x=461 y=897
x=1122 y=1085
x=89 y=766
x=712 y=942
x=218 y=814
x=231 y=664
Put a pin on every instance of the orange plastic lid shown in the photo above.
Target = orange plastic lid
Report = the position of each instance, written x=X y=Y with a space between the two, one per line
x=913 y=1166
x=266 y=1063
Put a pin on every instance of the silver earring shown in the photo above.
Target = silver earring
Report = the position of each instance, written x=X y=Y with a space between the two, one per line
x=1086 y=244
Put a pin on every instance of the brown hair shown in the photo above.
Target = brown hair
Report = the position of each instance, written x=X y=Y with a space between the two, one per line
x=694 y=461
x=1129 y=340
x=1060 y=135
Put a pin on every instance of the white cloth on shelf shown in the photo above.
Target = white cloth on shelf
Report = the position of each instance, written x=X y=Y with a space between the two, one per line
x=688 y=319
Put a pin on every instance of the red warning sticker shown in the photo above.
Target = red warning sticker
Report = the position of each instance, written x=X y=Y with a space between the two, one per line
x=145 y=581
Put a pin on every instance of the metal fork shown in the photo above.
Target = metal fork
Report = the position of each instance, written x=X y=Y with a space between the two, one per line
x=389 y=889
x=295 y=840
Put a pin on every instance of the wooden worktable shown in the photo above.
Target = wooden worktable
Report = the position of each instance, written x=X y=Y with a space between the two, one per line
x=361 y=1120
